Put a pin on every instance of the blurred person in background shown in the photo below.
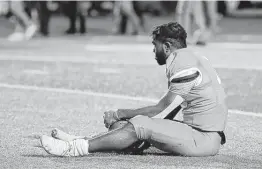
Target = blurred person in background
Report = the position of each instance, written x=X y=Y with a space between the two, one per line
x=25 y=28
x=124 y=11
x=40 y=8
x=212 y=17
x=74 y=10
x=140 y=14
x=184 y=11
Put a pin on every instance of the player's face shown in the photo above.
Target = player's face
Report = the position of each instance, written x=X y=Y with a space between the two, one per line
x=160 y=55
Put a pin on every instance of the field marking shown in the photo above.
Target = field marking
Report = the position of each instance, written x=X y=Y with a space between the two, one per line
x=106 y=95
x=35 y=72
x=76 y=91
x=107 y=70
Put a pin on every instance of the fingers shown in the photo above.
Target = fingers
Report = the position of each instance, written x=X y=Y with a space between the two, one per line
x=107 y=125
x=54 y=133
x=109 y=118
x=106 y=118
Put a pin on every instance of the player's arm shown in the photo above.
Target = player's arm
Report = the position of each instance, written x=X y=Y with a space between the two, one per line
x=168 y=102
x=180 y=84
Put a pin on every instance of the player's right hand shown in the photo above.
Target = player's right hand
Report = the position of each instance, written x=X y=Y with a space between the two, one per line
x=110 y=117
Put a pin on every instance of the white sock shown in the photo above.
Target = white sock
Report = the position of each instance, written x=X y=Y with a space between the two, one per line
x=81 y=147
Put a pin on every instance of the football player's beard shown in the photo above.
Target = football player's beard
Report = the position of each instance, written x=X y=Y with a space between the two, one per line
x=160 y=58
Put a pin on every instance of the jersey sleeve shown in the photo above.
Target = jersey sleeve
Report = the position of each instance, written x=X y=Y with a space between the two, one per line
x=182 y=82
x=184 y=75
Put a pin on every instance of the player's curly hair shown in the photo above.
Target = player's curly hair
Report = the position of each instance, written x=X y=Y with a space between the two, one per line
x=172 y=32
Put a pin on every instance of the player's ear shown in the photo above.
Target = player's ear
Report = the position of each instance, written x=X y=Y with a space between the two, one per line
x=167 y=48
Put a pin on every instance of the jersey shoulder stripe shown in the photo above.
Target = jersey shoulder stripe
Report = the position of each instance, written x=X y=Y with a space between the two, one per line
x=185 y=79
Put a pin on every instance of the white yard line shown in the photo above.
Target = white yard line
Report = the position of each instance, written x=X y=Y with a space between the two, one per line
x=106 y=95
x=75 y=91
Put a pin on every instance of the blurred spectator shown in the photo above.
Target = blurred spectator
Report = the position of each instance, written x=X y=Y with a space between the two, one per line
x=43 y=14
x=124 y=11
x=25 y=27
x=101 y=8
x=212 y=16
x=74 y=10
x=204 y=15
x=140 y=13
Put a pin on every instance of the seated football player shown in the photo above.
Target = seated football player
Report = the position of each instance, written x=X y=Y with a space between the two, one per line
x=193 y=84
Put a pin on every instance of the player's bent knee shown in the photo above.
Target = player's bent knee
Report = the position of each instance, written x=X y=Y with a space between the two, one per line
x=210 y=147
x=142 y=125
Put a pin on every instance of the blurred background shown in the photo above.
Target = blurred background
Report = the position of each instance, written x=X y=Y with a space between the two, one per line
x=204 y=21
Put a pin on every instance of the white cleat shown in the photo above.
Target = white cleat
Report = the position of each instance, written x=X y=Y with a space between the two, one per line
x=30 y=31
x=16 y=37
x=75 y=148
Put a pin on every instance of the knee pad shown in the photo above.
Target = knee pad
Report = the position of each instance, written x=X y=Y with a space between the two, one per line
x=142 y=125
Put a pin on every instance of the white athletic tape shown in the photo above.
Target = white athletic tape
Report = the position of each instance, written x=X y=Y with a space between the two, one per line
x=107 y=95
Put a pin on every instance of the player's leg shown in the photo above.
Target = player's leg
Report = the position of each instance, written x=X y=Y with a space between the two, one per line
x=201 y=35
x=81 y=14
x=140 y=14
x=116 y=17
x=176 y=137
x=122 y=25
x=72 y=15
x=213 y=15
x=136 y=148
x=183 y=16
x=44 y=16
x=114 y=140
x=17 y=8
x=18 y=34
x=167 y=135
x=128 y=10
x=183 y=12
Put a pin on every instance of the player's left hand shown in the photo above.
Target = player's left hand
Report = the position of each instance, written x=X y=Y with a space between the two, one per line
x=110 y=117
